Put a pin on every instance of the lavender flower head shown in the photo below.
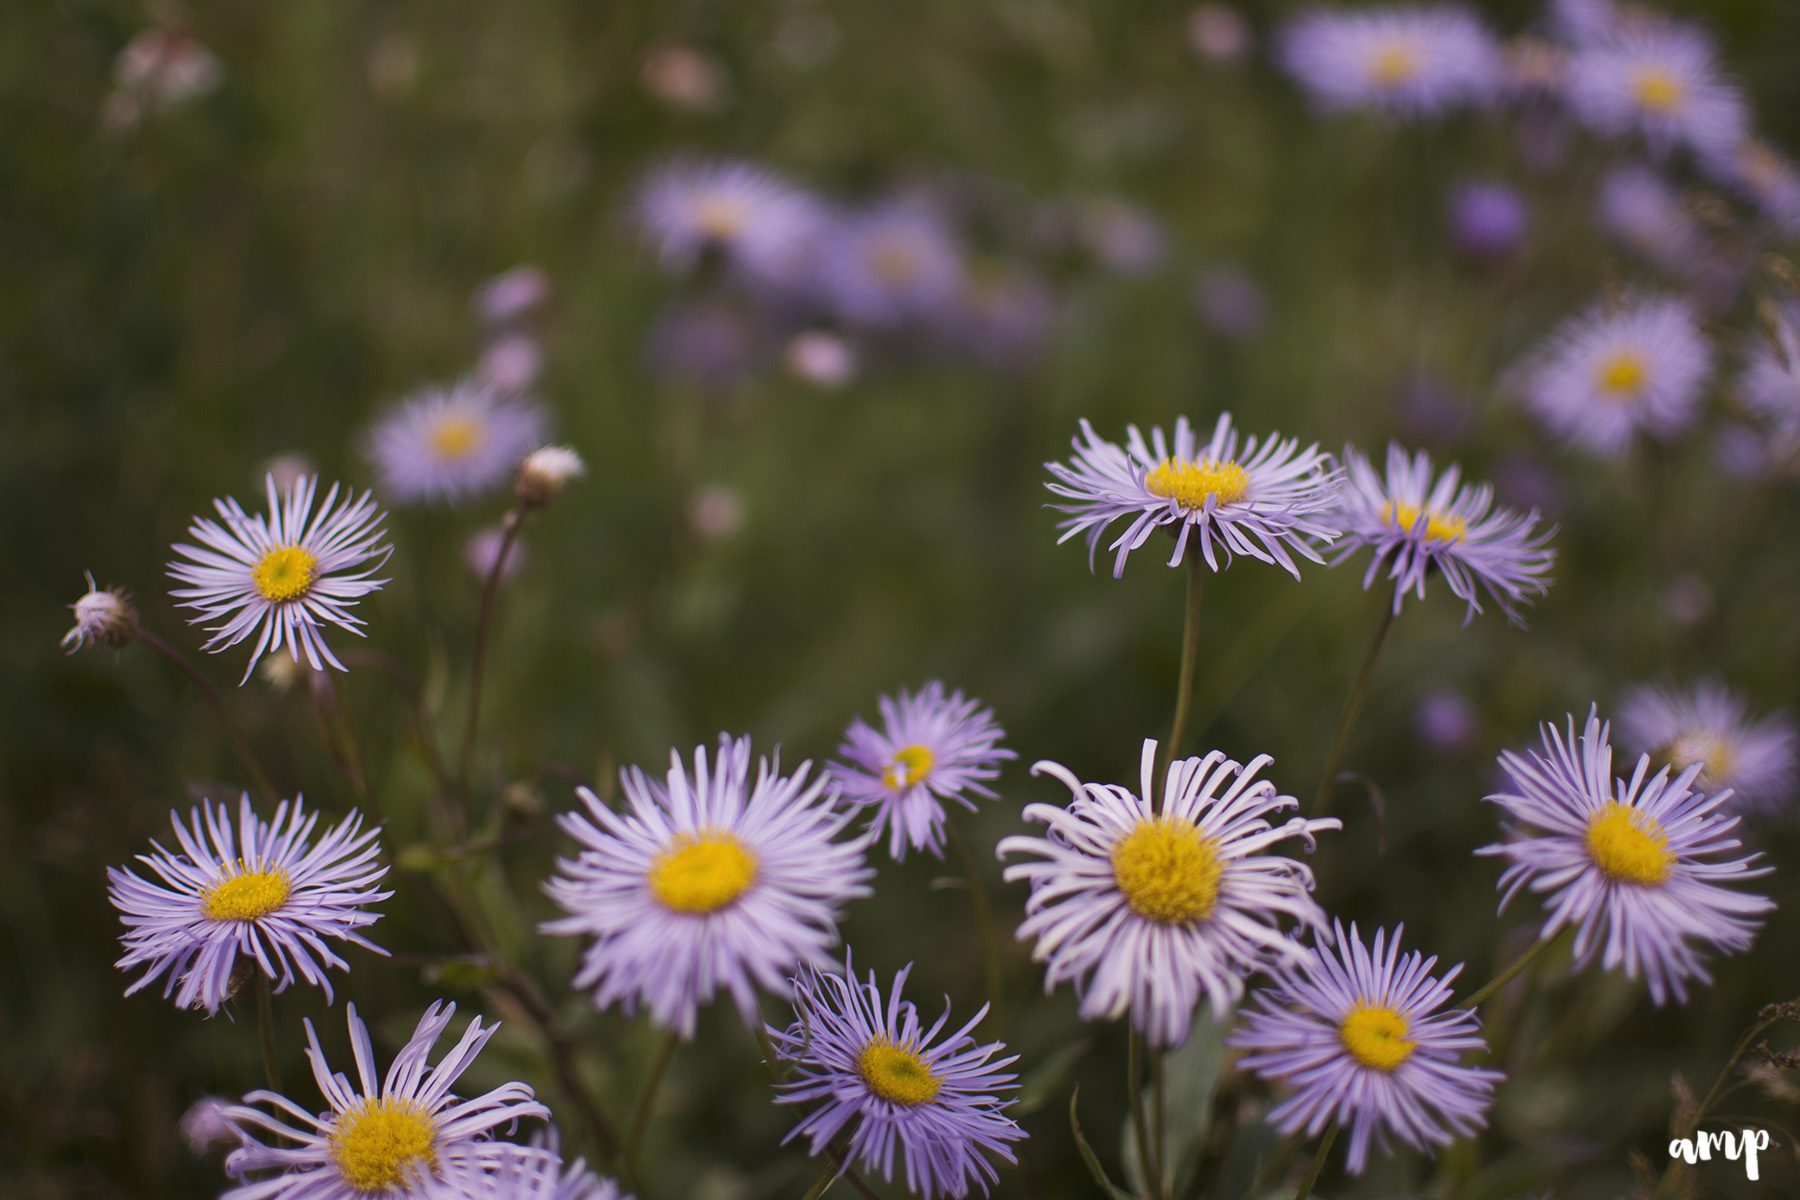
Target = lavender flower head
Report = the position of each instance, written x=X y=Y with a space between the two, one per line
x=1770 y=386
x=933 y=746
x=1417 y=524
x=936 y=1099
x=1408 y=62
x=889 y=266
x=443 y=444
x=1662 y=83
x=1709 y=726
x=1638 y=867
x=1265 y=498
x=1488 y=220
x=755 y=220
x=1640 y=211
x=1357 y=1032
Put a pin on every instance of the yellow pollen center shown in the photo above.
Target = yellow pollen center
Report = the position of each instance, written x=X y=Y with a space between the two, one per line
x=909 y=765
x=1438 y=528
x=894 y=262
x=701 y=873
x=382 y=1144
x=1394 y=64
x=1375 y=1036
x=456 y=437
x=246 y=895
x=1622 y=377
x=284 y=573
x=1168 y=870
x=1659 y=92
x=719 y=217
x=1190 y=483
x=1629 y=846
x=897 y=1073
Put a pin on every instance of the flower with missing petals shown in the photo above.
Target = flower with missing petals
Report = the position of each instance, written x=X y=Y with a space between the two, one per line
x=444 y=444
x=1151 y=902
x=1639 y=867
x=1268 y=499
x=1412 y=62
x=1709 y=726
x=262 y=894
x=284 y=576
x=104 y=616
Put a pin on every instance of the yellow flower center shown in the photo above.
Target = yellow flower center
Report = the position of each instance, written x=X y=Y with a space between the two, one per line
x=701 y=873
x=1658 y=91
x=1375 y=1036
x=897 y=1073
x=1438 y=527
x=909 y=765
x=284 y=573
x=1394 y=64
x=1622 y=377
x=382 y=1144
x=1190 y=483
x=1716 y=754
x=1168 y=870
x=894 y=262
x=246 y=895
x=1629 y=846
x=719 y=217
x=456 y=437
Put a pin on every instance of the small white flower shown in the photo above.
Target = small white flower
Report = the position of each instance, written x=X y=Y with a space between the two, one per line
x=102 y=615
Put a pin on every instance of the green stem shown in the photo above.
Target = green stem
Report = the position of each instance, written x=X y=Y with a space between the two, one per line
x=1318 y=1164
x=640 y=1119
x=232 y=734
x=823 y=1183
x=1712 y=1095
x=1159 y=1183
x=490 y=590
x=1140 y=1126
x=265 y=1020
x=1190 y=651
x=984 y=917
x=1510 y=972
x=1353 y=706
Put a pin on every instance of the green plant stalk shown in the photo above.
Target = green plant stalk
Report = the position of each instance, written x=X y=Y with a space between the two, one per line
x=265 y=1020
x=1190 y=653
x=490 y=590
x=984 y=918
x=1511 y=971
x=1318 y=1163
x=232 y=733
x=1353 y=707
x=1140 y=1125
x=640 y=1118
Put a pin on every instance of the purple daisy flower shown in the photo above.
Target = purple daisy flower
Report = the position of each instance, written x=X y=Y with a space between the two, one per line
x=706 y=881
x=1488 y=220
x=890 y=266
x=1356 y=1031
x=933 y=746
x=1637 y=866
x=1709 y=726
x=1150 y=907
x=755 y=219
x=397 y=1137
x=447 y=443
x=1762 y=177
x=1268 y=499
x=1416 y=524
x=1662 y=83
x=541 y=1175
x=1410 y=62
x=1770 y=389
x=869 y=1060
x=1607 y=375
x=263 y=892
x=1640 y=211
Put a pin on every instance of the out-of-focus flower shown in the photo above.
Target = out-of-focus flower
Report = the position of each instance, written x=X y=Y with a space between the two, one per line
x=716 y=511
x=511 y=363
x=1533 y=69
x=1266 y=498
x=1608 y=375
x=1765 y=179
x=1645 y=215
x=1430 y=409
x=1709 y=726
x=1362 y=1036
x=1770 y=384
x=483 y=547
x=890 y=266
x=1410 y=62
x=159 y=69
x=756 y=221
x=204 y=1125
x=1122 y=237
x=1688 y=600
x=1230 y=303
x=822 y=359
x=283 y=576
x=1663 y=84
x=445 y=444
x=512 y=297
x=685 y=78
x=1417 y=524
x=288 y=469
x=933 y=746
x=545 y=473
x=1002 y=318
x=1488 y=220
x=1638 y=867
x=867 y=1059
x=102 y=615
x=709 y=344
x=398 y=1137
x=1149 y=908
x=262 y=893
x=709 y=881
x=1445 y=720
x=540 y=1175
x=1218 y=33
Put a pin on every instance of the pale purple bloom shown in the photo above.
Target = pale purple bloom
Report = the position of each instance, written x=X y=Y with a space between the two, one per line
x=755 y=220
x=1362 y=1037
x=447 y=443
x=263 y=895
x=1488 y=220
x=1001 y=317
x=1148 y=909
x=822 y=359
x=1218 y=33
x=1446 y=721
x=1639 y=210
x=1411 y=62
x=1418 y=523
x=204 y=1125
x=482 y=550
x=1123 y=238
x=1638 y=867
x=1608 y=375
x=541 y=1175
x=1266 y=498
x=935 y=1099
x=158 y=70
x=1230 y=303
x=933 y=746
x=1710 y=726
x=513 y=296
x=710 y=344
x=1661 y=83
x=398 y=1137
x=283 y=576
x=889 y=266
x=1762 y=177
x=1770 y=387
x=705 y=881
x=511 y=363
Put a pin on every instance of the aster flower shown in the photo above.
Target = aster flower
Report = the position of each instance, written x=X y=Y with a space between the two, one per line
x=1268 y=499
x=263 y=892
x=1640 y=210
x=1149 y=907
x=1416 y=524
x=1770 y=383
x=512 y=297
x=869 y=1060
x=283 y=576
x=1762 y=177
x=1356 y=1031
x=755 y=219
x=541 y=1175
x=1411 y=62
x=1709 y=726
x=705 y=881
x=1488 y=220
x=1637 y=866
x=446 y=443
x=104 y=616
x=394 y=1137
x=933 y=746
x=1662 y=82
x=1605 y=376
x=888 y=266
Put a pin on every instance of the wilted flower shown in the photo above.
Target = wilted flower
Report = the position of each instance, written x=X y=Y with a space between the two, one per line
x=1662 y=83
x=448 y=443
x=1709 y=726
x=102 y=615
x=1412 y=62
x=545 y=472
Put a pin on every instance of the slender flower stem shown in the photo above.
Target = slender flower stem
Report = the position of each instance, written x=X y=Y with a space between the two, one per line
x=490 y=590
x=841 y=1160
x=640 y=1119
x=1511 y=971
x=823 y=1183
x=232 y=734
x=1713 y=1094
x=1190 y=652
x=265 y=1020
x=1318 y=1163
x=1140 y=1126
x=1353 y=706
x=984 y=917
x=1159 y=1183
x=779 y=1072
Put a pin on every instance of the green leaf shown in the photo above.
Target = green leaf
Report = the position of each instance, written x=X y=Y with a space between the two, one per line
x=1089 y=1157
x=1047 y=1078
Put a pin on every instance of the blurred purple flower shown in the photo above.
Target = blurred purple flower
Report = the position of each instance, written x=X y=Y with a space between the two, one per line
x=1663 y=84
x=512 y=297
x=1408 y=62
x=889 y=266
x=1230 y=303
x=1445 y=721
x=1488 y=219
